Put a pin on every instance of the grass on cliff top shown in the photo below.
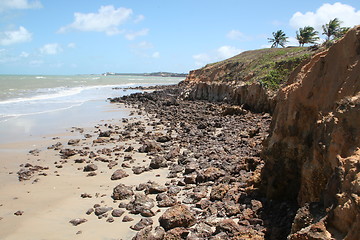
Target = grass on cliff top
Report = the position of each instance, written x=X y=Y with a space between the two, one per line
x=271 y=66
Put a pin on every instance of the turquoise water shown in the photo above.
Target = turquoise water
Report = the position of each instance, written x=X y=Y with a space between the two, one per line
x=36 y=105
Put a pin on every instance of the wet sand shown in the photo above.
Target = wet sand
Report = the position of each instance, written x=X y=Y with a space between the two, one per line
x=52 y=197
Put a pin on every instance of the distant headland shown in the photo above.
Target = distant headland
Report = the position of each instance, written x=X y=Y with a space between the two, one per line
x=155 y=74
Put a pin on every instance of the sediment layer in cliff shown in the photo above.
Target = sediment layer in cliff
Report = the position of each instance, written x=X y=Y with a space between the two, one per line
x=312 y=154
x=250 y=78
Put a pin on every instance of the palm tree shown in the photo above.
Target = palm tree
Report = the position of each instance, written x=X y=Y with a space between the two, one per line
x=306 y=35
x=331 y=29
x=342 y=31
x=279 y=38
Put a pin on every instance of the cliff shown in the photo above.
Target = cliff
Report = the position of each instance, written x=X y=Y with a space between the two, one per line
x=250 y=79
x=312 y=154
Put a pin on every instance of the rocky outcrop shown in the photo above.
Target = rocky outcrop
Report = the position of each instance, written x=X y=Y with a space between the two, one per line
x=313 y=151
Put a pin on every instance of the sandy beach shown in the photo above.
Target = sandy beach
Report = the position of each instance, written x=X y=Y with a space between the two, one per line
x=51 y=197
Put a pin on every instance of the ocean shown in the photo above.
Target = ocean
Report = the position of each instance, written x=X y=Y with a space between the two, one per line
x=34 y=105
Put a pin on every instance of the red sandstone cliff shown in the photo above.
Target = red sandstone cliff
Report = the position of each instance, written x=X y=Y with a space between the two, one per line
x=313 y=151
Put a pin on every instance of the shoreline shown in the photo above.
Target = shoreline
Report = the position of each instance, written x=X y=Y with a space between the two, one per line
x=169 y=153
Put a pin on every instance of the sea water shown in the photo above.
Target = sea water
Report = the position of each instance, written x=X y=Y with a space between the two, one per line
x=34 y=105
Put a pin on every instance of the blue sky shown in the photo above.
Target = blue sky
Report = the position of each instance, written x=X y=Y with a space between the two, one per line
x=83 y=37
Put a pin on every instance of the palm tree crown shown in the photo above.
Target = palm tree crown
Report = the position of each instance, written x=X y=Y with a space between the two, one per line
x=306 y=35
x=279 y=38
x=332 y=28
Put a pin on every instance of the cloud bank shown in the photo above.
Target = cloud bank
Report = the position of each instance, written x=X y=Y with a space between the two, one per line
x=345 y=13
x=19 y=4
x=15 y=36
x=108 y=19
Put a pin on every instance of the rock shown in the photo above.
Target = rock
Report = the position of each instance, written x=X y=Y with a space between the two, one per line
x=90 y=168
x=210 y=174
x=163 y=139
x=218 y=192
x=89 y=211
x=121 y=192
x=138 y=170
x=105 y=134
x=164 y=200
x=19 y=213
x=155 y=188
x=126 y=218
x=144 y=222
x=66 y=153
x=141 y=204
x=73 y=141
x=102 y=210
x=228 y=226
x=158 y=162
x=117 y=212
x=177 y=216
x=77 y=221
x=173 y=153
x=119 y=174
x=316 y=231
x=150 y=146
x=177 y=233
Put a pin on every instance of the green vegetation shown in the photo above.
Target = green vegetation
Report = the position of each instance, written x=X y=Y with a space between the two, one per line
x=270 y=67
x=279 y=38
x=306 y=35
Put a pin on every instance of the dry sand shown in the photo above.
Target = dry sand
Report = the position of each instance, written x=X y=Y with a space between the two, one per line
x=50 y=202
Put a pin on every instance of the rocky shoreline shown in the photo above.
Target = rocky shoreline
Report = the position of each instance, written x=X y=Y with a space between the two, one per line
x=212 y=151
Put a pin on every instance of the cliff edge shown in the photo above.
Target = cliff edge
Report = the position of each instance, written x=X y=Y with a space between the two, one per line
x=312 y=154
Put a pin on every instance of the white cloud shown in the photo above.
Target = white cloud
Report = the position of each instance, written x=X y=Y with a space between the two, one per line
x=219 y=54
x=19 y=4
x=24 y=54
x=235 y=35
x=345 y=13
x=71 y=45
x=143 y=45
x=156 y=55
x=15 y=36
x=51 y=49
x=139 y=18
x=133 y=35
x=107 y=19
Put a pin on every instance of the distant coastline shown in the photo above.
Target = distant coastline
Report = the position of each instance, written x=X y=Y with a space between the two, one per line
x=155 y=74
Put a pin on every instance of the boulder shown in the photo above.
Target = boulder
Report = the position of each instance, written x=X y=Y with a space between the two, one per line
x=119 y=174
x=121 y=192
x=177 y=216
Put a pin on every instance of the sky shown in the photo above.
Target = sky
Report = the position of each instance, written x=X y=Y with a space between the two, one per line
x=136 y=36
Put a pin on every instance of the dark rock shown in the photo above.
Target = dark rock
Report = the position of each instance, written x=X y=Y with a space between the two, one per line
x=90 y=168
x=144 y=222
x=138 y=170
x=19 y=213
x=164 y=200
x=177 y=216
x=210 y=174
x=140 y=204
x=150 y=146
x=119 y=174
x=105 y=134
x=77 y=221
x=218 y=192
x=155 y=188
x=117 y=212
x=66 y=153
x=101 y=210
x=158 y=162
x=163 y=139
x=73 y=141
x=122 y=192
x=126 y=218
x=177 y=233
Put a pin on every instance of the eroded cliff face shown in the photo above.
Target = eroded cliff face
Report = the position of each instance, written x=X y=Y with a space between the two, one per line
x=238 y=80
x=312 y=154
x=215 y=83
